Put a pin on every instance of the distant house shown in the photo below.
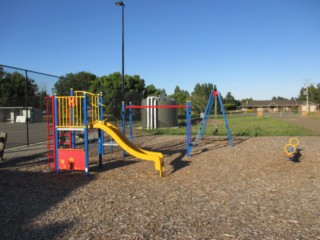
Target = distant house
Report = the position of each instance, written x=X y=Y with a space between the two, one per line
x=19 y=114
x=275 y=106
x=310 y=107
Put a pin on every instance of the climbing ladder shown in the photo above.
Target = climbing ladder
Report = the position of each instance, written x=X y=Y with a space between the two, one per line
x=213 y=95
x=50 y=131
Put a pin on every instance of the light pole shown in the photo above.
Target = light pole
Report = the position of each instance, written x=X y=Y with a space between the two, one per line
x=121 y=4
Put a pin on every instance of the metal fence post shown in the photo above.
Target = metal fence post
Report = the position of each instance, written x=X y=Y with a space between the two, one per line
x=27 y=115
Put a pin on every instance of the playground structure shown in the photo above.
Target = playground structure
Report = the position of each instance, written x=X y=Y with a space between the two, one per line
x=291 y=148
x=80 y=112
x=213 y=97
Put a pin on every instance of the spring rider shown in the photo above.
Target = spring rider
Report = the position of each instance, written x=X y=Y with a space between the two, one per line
x=291 y=149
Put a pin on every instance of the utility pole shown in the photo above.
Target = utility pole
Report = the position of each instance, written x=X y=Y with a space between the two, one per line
x=306 y=85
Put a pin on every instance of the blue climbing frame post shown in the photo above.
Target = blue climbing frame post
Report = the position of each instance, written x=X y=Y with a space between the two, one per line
x=225 y=119
x=100 y=132
x=130 y=120
x=188 y=128
x=85 y=130
x=205 y=118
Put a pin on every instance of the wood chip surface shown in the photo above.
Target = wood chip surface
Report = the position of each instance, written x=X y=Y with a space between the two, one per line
x=249 y=191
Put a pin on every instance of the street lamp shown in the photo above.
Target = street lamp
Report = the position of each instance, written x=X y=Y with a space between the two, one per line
x=121 y=4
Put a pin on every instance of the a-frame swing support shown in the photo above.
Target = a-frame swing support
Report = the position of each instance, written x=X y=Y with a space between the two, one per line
x=206 y=115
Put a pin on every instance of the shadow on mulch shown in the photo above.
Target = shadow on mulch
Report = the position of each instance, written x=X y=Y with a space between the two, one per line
x=178 y=147
x=179 y=163
x=212 y=143
x=26 y=195
x=112 y=165
x=25 y=161
x=297 y=156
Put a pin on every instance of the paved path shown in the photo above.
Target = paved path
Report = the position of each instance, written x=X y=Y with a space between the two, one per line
x=17 y=133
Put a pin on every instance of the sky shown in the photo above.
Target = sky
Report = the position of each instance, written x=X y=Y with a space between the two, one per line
x=252 y=48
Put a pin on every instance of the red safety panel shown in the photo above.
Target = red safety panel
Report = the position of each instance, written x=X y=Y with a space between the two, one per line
x=71 y=159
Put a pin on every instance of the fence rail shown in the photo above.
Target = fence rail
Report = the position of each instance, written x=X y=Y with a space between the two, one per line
x=22 y=104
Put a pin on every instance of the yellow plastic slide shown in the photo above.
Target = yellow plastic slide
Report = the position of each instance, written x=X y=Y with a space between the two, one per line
x=128 y=146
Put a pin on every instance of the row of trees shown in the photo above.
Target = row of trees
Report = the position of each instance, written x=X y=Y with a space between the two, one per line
x=313 y=92
x=136 y=90
x=110 y=86
x=17 y=90
x=13 y=88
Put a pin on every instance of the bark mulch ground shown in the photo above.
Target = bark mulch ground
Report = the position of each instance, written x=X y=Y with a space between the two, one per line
x=250 y=191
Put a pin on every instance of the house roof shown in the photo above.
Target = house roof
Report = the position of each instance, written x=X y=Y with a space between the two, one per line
x=271 y=103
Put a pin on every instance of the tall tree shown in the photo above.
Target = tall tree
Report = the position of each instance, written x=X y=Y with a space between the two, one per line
x=42 y=94
x=246 y=101
x=200 y=96
x=2 y=73
x=279 y=98
x=151 y=90
x=230 y=103
x=180 y=96
x=313 y=93
x=229 y=98
x=80 y=81
x=111 y=87
x=134 y=89
x=13 y=90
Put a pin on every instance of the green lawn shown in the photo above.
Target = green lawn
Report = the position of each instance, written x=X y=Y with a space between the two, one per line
x=245 y=126
x=265 y=126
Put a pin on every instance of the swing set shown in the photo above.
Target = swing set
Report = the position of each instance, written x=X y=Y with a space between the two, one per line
x=214 y=97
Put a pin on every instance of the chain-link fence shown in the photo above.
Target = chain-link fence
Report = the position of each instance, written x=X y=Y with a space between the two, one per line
x=23 y=110
x=22 y=104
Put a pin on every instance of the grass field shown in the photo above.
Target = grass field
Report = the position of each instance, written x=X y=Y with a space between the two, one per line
x=265 y=126
x=246 y=126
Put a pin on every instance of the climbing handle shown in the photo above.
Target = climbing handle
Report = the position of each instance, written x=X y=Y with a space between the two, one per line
x=294 y=141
